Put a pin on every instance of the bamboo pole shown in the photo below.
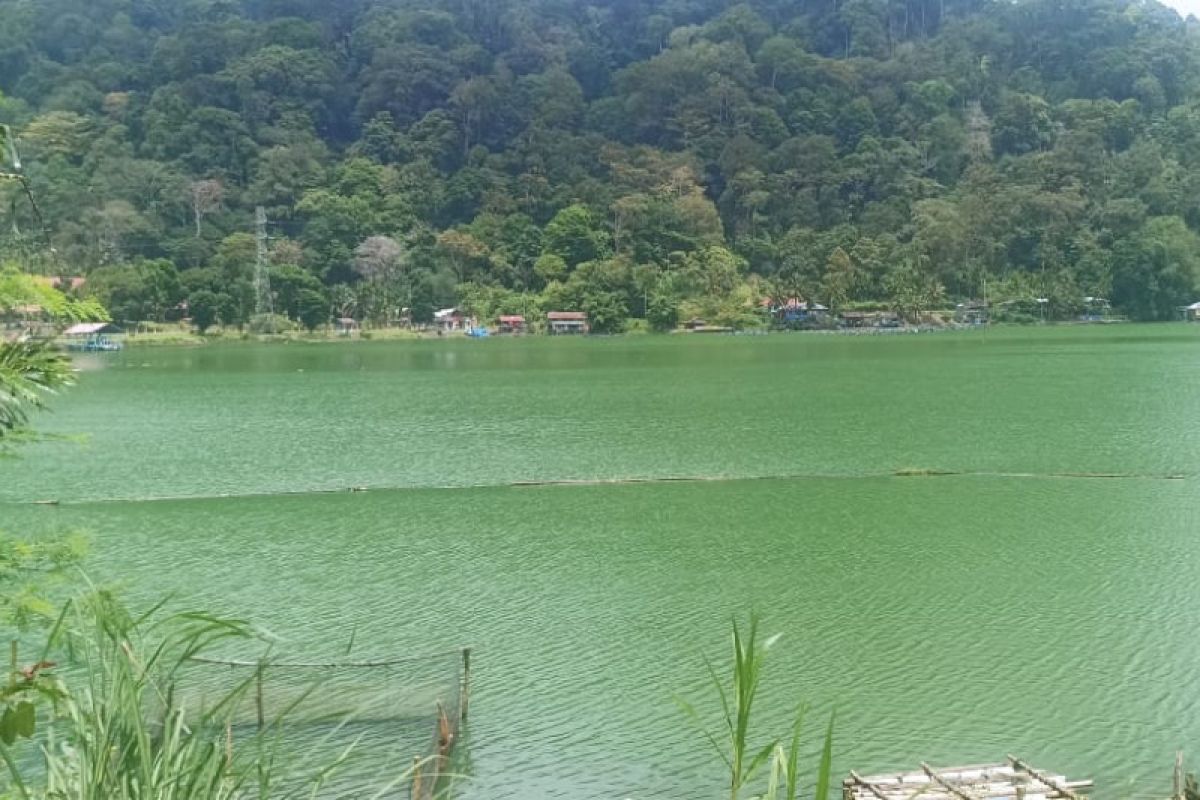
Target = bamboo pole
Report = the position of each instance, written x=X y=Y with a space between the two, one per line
x=870 y=787
x=1065 y=791
x=945 y=784
x=416 y=778
x=1178 y=783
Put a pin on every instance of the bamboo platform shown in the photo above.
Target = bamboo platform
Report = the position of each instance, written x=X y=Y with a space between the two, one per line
x=1010 y=780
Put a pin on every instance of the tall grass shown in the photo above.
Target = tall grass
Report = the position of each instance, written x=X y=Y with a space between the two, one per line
x=732 y=744
x=120 y=734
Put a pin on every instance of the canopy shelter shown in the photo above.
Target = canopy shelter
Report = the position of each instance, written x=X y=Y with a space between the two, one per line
x=91 y=329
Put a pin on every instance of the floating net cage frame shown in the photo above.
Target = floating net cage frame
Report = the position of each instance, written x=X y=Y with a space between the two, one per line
x=341 y=705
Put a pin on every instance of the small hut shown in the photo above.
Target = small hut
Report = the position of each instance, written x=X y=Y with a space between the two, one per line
x=560 y=322
x=449 y=319
x=91 y=336
x=511 y=323
x=972 y=312
x=1011 y=780
x=346 y=326
x=1192 y=313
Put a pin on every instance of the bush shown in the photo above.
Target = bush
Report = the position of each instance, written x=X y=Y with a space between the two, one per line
x=271 y=323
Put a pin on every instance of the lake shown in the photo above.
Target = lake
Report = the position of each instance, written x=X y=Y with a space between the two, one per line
x=1024 y=604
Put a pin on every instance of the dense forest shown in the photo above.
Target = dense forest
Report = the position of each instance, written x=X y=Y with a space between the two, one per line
x=645 y=159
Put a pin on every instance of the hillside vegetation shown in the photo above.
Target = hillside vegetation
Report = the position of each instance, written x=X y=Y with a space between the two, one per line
x=659 y=160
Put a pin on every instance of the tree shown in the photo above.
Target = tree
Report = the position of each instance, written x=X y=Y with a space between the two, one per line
x=142 y=291
x=381 y=262
x=289 y=283
x=507 y=148
x=204 y=306
x=462 y=250
x=662 y=312
x=713 y=271
x=1156 y=270
x=312 y=309
x=205 y=197
x=839 y=281
x=575 y=235
x=550 y=267
x=1022 y=124
x=912 y=290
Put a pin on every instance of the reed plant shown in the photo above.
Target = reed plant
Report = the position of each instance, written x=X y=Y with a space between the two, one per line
x=733 y=744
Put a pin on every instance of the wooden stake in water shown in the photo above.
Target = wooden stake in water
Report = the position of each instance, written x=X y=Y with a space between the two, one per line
x=258 y=697
x=1178 y=793
x=466 y=682
x=416 y=778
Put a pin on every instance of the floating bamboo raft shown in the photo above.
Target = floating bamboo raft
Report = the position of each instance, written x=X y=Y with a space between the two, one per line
x=1011 y=780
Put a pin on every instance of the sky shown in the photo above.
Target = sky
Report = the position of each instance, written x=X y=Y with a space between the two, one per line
x=1184 y=7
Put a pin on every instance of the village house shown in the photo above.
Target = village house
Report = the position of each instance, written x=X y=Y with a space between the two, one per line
x=450 y=319
x=511 y=323
x=794 y=311
x=567 y=322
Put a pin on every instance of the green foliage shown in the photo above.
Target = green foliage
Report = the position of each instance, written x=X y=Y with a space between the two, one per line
x=8 y=149
x=29 y=569
x=662 y=312
x=270 y=324
x=807 y=150
x=550 y=267
x=312 y=309
x=204 y=306
x=135 y=292
x=29 y=296
x=28 y=372
x=107 y=745
x=575 y=235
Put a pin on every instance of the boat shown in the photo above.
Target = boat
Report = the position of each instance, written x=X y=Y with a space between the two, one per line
x=94 y=344
x=91 y=337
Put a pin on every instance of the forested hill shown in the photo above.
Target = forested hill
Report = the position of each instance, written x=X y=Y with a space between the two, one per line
x=629 y=158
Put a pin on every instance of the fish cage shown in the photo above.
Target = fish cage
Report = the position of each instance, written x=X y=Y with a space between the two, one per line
x=383 y=729
x=1012 y=780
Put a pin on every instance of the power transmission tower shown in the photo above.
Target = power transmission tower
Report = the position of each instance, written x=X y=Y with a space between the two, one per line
x=263 y=303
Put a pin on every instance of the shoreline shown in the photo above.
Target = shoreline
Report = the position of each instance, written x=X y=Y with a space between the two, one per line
x=181 y=338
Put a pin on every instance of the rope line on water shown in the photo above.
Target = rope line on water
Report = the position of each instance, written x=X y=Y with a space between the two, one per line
x=268 y=664
x=633 y=481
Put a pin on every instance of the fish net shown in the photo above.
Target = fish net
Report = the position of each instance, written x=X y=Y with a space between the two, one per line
x=357 y=729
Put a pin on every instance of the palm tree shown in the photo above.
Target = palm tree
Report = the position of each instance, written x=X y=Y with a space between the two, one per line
x=28 y=372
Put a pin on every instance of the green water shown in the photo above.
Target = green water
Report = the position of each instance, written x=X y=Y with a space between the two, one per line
x=950 y=619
